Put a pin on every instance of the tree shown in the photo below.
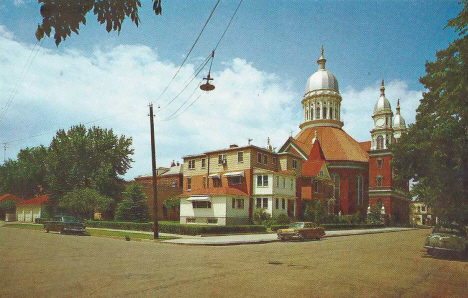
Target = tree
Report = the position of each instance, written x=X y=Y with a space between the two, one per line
x=94 y=158
x=134 y=207
x=83 y=202
x=374 y=216
x=7 y=206
x=314 y=211
x=26 y=176
x=434 y=151
x=65 y=16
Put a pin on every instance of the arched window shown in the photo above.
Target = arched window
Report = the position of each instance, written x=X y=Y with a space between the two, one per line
x=307 y=114
x=380 y=143
x=359 y=190
x=331 y=113
x=336 y=187
x=317 y=113
x=324 y=114
x=379 y=180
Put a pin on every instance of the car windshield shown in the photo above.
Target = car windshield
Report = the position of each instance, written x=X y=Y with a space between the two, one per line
x=296 y=225
x=70 y=219
x=450 y=230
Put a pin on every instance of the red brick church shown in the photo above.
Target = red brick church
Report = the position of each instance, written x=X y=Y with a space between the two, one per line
x=346 y=175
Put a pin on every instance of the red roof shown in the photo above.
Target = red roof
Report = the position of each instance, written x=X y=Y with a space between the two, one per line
x=335 y=143
x=365 y=145
x=41 y=200
x=7 y=197
x=214 y=191
x=312 y=166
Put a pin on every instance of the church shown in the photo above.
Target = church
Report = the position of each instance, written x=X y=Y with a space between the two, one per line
x=322 y=162
x=361 y=172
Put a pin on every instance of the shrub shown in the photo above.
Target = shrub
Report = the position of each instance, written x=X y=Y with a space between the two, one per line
x=260 y=215
x=81 y=202
x=315 y=212
x=134 y=207
x=176 y=228
x=275 y=228
x=374 y=216
x=282 y=219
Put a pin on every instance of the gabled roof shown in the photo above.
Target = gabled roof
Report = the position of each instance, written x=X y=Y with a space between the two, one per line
x=316 y=161
x=365 y=145
x=41 y=200
x=335 y=143
x=8 y=197
x=214 y=191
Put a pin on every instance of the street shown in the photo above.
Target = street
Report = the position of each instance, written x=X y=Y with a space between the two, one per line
x=37 y=264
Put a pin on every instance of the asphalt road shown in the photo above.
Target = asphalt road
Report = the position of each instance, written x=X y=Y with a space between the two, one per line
x=36 y=264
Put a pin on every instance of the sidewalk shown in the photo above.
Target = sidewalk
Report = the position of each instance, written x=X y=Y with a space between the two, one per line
x=266 y=238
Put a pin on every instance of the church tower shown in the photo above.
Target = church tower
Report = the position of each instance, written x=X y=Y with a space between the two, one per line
x=383 y=191
x=382 y=133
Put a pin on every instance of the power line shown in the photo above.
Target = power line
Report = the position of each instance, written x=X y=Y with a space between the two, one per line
x=190 y=51
x=196 y=88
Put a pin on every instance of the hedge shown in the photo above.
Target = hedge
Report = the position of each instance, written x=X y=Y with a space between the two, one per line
x=176 y=228
x=329 y=227
x=275 y=228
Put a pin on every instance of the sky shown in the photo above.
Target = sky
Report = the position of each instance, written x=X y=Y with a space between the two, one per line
x=260 y=70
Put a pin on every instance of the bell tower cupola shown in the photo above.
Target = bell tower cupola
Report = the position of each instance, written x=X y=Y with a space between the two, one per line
x=322 y=101
x=382 y=133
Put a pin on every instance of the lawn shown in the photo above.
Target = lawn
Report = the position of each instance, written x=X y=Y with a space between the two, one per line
x=96 y=232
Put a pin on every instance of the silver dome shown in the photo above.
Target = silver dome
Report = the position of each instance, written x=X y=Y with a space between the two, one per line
x=399 y=122
x=321 y=80
x=382 y=103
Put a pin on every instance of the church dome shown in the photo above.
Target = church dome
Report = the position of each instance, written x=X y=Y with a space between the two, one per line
x=382 y=103
x=399 y=122
x=322 y=79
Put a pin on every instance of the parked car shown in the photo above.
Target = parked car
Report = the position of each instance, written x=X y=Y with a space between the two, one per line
x=301 y=231
x=447 y=238
x=64 y=224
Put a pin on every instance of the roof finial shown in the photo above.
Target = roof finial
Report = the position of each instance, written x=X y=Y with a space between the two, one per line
x=321 y=61
x=382 y=89
x=398 y=107
x=315 y=137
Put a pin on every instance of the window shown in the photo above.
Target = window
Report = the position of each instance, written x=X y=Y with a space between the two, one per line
x=379 y=180
x=191 y=164
x=233 y=203
x=212 y=220
x=292 y=184
x=324 y=114
x=189 y=183
x=216 y=182
x=276 y=203
x=265 y=159
x=201 y=204
x=274 y=160
x=321 y=174
x=222 y=159
x=259 y=203
x=240 y=203
x=284 y=182
x=380 y=143
x=259 y=157
x=423 y=208
x=317 y=113
x=265 y=203
x=190 y=220
x=379 y=163
x=277 y=181
x=316 y=186
x=294 y=163
x=174 y=183
x=360 y=190
x=336 y=188
x=283 y=204
x=262 y=180
x=235 y=180
x=203 y=162
x=240 y=157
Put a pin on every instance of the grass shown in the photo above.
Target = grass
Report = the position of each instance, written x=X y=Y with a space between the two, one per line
x=96 y=232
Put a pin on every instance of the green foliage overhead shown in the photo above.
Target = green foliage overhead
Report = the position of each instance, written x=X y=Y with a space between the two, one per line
x=66 y=16
x=26 y=176
x=7 y=206
x=434 y=151
x=134 y=207
x=88 y=158
x=82 y=202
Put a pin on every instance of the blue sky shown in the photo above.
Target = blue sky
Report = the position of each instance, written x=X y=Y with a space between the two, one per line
x=260 y=70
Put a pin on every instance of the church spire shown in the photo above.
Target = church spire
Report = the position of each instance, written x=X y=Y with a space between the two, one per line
x=382 y=89
x=321 y=61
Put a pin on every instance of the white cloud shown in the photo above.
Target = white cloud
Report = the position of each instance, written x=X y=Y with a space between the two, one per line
x=64 y=88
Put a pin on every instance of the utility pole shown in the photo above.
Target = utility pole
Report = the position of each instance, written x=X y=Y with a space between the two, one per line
x=155 y=181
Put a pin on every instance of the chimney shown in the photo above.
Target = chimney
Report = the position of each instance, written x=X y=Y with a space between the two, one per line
x=233 y=146
x=173 y=163
x=178 y=164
